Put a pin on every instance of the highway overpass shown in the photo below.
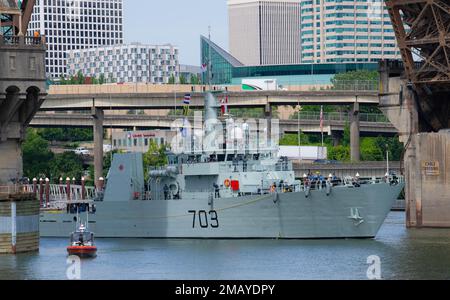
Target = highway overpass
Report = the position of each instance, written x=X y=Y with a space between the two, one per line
x=370 y=124
x=167 y=100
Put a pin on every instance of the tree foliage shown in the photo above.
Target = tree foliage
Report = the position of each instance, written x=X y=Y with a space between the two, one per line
x=292 y=140
x=183 y=79
x=36 y=155
x=340 y=79
x=155 y=157
x=80 y=78
x=195 y=79
x=67 y=134
x=66 y=164
x=171 y=79
x=340 y=153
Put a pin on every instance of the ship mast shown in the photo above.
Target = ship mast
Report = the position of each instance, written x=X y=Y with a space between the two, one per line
x=209 y=57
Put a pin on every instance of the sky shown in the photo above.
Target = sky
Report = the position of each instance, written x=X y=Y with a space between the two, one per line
x=178 y=22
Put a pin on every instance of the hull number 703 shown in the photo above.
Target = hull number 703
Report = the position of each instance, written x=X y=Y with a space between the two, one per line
x=204 y=219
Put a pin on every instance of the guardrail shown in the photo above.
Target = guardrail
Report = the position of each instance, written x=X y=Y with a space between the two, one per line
x=336 y=116
x=330 y=85
x=14 y=40
x=178 y=90
x=304 y=116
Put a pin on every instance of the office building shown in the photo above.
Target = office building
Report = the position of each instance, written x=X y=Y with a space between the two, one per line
x=127 y=63
x=265 y=32
x=74 y=25
x=227 y=70
x=343 y=31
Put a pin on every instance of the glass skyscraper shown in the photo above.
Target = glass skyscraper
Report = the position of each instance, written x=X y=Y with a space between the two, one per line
x=337 y=31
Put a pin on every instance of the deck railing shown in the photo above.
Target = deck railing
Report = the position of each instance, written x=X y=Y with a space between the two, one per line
x=15 y=40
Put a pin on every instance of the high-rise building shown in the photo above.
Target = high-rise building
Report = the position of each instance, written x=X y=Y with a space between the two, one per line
x=335 y=31
x=265 y=32
x=127 y=63
x=73 y=25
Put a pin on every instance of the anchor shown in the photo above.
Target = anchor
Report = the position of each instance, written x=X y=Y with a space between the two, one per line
x=356 y=216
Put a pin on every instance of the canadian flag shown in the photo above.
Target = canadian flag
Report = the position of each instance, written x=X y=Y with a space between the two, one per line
x=224 y=103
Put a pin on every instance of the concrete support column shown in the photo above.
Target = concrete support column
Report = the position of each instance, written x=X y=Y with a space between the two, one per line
x=336 y=137
x=98 y=115
x=354 y=134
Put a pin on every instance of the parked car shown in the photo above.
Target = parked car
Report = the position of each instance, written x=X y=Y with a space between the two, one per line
x=82 y=151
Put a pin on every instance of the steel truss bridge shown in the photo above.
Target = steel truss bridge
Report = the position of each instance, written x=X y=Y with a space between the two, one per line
x=422 y=28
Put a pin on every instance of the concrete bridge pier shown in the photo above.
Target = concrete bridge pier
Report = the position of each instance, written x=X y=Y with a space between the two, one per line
x=355 y=134
x=426 y=158
x=22 y=92
x=98 y=116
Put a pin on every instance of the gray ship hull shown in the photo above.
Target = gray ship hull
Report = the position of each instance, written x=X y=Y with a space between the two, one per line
x=346 y=213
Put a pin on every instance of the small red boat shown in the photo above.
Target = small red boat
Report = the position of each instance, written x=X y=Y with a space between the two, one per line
x=82 y=243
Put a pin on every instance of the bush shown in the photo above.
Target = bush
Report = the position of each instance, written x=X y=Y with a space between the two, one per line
x=340 y=153
x=66 y=164
x=36 y=155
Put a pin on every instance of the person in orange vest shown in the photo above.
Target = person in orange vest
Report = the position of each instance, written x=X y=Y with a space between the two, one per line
x=36 y=36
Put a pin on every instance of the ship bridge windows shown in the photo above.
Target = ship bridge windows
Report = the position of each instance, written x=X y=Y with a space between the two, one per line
x=76 y=208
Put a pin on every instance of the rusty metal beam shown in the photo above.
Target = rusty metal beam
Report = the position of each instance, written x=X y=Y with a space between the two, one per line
x=422 y=29
x=27 y=9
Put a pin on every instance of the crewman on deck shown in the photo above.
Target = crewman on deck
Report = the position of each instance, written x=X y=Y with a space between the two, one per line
x=166 y=192
x=216 y=190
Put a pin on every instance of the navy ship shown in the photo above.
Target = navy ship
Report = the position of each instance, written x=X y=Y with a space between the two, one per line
x=224 y=192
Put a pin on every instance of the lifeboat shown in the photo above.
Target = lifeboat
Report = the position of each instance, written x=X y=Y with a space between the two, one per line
x=82 y=243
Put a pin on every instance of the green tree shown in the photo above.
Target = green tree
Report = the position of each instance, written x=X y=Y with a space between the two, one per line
x=346 y=135
x=66 y=164
x=36 y=155
x=340 y=153
x=171 y=79
x=101 y=79
x=62 y=80
x=292 y=140
x=67 y=134
x=183 y=79
x=195 y=79
x=370 y=151
x=359 y=80
x=155 y=157
x=392 y=144
x=80 y=79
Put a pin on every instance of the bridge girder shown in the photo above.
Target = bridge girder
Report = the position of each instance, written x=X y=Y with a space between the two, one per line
x=17 y=22
x=422 y=28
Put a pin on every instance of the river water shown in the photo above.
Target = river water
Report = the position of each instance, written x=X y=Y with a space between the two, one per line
x=403 y=253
